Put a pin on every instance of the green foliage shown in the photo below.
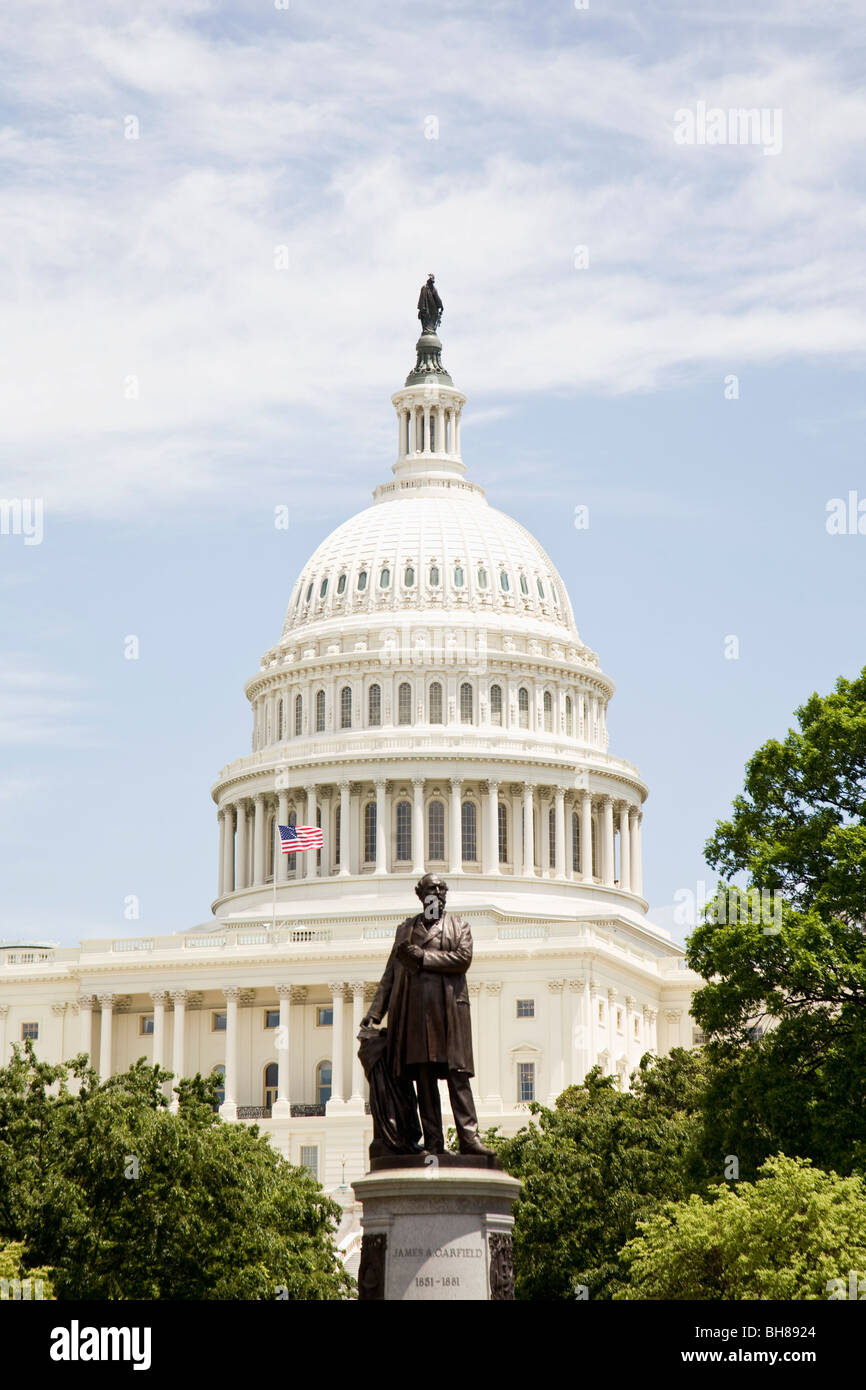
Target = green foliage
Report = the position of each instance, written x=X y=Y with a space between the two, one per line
x=126 y=1200
x=14 y=1271
x=799 y=829
x=785 y=1236
x=595 y=1165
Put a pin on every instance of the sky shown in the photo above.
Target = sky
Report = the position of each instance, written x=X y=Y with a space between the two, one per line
x=215 y=220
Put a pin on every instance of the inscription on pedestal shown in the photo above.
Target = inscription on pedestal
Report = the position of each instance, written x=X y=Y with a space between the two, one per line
x=435 y=1262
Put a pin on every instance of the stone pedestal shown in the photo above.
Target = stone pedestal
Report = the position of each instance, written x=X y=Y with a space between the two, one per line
x=436 y=1227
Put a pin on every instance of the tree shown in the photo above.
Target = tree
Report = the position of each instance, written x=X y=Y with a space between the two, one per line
x=799 y=831
x=596 y=1164
x=795 y=1233
x=126 y=1200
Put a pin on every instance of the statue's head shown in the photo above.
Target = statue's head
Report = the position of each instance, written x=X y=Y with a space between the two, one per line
x=431 y=278
x=432 y=890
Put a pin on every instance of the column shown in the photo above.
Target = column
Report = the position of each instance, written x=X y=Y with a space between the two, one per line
x=345 y=830
x=241 y=872
x=440 y=429
x=228 y=878
x=555 y=1070
x=418 y=825
x=282 y=819
x=309 y=855
x=528 y=832
x=559 y=802
x=629 y=1031
x=494 y=1029
x=592 y=997
x=221 y=862
x=282 y=1106
x=455 y=839
x=652 y=1034
x=381 y=830
x=426 y=429
x=159 y=997
x=586 y=866
x=673 y=1017
x=607 y=840
x=178 y=997
x=474 y=988
x=337 y=1100
x=491 y=839
x=4 y=1010
x=85 y=1018
x=106 y=1003
x=544 y=827
x=578 y=992
x=635 y=819
x=357 y=1101
x=624 y=848
x=229 y=1107
x=456 y=449
x=611 y=1030
x=259 y=870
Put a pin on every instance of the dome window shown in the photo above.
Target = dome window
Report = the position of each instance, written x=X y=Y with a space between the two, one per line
x=435 y=708
x=341 y=584
x=323 y=588
x=504 y=582
x=309 y=594
x=409 y=576
x=404 y=831
x=346 y=707
x=436 y=831
x=404 y=703
x=385 y=578
x=540 y=588
x=548 y=711
x=362 y=580
x=523 y=707
x=320 y=711
x=468 y=835
x=374 y=706
x=467 y=711
x=459 y=576
x=496 y=704
x=482 y=578
x=524 y=587
x=434 y=575
x=299 y=716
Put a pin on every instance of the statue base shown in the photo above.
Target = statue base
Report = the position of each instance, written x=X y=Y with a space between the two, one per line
x=436 y=1227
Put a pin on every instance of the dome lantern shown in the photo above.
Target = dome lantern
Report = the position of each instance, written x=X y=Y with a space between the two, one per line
x=428 y=406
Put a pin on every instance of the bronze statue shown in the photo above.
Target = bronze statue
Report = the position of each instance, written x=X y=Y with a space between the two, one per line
x=429 y=1033
x=430 y=307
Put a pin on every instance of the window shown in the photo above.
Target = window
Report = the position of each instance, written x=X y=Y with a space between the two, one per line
x=370 y=833
x=436 y=703
x=323 y=1083
x=525 y=1081
x=404 y=830
x=502 y=825
x=270 y=1086
x=468 y=820
x=281 y=721
x=436 y=830
x=575 y=842
x=755 y=1033
x=320 y=711
x=384 y=578
x=524 y=587
x=299 y=715
x=619 y=1020
x=29 y=1030
x=409 y=576
x=310 y=1157
x=272 y=1018
x=219 y=1076
x=636 y=1022
x=569 y=716
x=600 y=1012
x=323 y=588
x=466 y=710
x=526 y=1008
x=374 y=706
x=459 y=576
x=404 y=703
x=309 y=593
x=346 y=707
x=548 y=711
x=325 y=1016
x=338 y=825
x=504 y=582
x=362 y=581
x=551 y=838
x=218 y=1021
x=482 y=578
x=698 y=1037
x=496 y=704
x=523 y=707
x=145 y=1025
x=540 y=588
x=341 y=584
x=434 y=575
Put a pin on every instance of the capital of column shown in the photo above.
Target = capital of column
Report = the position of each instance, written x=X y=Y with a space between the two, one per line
x=630 y=1002
x=357 y=987
x=338 y=989
x=555 y=986
x=673 y=1015
x=456 y=784
x=474 y=988
x=4 y=1009
x=299 y=994
x=232 y=991
x=611 y=995
x=493 y=986
x=159 y=996
x=650 y=1014
x=58 y=1009
x=106 y=1001
x=285 y=991
x=85 y=1001
x=577 y=984
x=179 y=996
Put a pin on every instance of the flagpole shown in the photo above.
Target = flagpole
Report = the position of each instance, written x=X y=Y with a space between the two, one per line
x=274 y=857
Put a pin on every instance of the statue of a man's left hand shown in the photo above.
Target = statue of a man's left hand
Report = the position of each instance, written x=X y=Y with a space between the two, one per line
x=410 y=955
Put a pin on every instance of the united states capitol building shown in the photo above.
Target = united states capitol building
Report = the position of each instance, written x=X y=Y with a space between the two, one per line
x=431 y=704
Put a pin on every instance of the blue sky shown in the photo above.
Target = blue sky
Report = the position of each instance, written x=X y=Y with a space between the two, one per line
x=164 y=385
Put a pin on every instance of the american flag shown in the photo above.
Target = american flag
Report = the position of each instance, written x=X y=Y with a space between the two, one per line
x=300 y=837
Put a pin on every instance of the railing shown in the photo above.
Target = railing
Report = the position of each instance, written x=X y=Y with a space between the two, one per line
x=191 y=942
x=303 y=934
x=27 y=957
x=373 y=933
x=254 y=1112
x=140 y=944
x=513 y=933
x=305 y=1111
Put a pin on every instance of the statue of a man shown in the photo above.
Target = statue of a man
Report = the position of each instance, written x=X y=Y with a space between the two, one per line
x=423 y=991
x=429 y=306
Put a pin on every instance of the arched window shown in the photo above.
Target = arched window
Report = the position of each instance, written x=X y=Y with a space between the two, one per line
x=540 y=588
x=404 y=703
x=323 y=588
x=504 y=582
x=323 y=1083
x=551 y=838
x=468 y=820
x=466 y=704
x=482 y=578
x=299 y=715
x=374 y=706
x=548 y=711
x=434 y=575
x=404 y=830
x=523 y=707
x=362 y=581
x=384 y=578
x=341 y=584
x=436 y=703
x=496 y=704
x=320 y=711
x=502 y=822
x=281 y=721
x=459 y=576
x=524 y=587
x=409 y=576
x=270 y=1085
x=346 y=707
x=436 y=830
x=370 y=833
x=569 y=716
x=219 y=1075
x=309 y=592
x=575 y=842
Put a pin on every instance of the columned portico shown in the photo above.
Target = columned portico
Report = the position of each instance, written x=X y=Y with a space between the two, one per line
x=106 y=1004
